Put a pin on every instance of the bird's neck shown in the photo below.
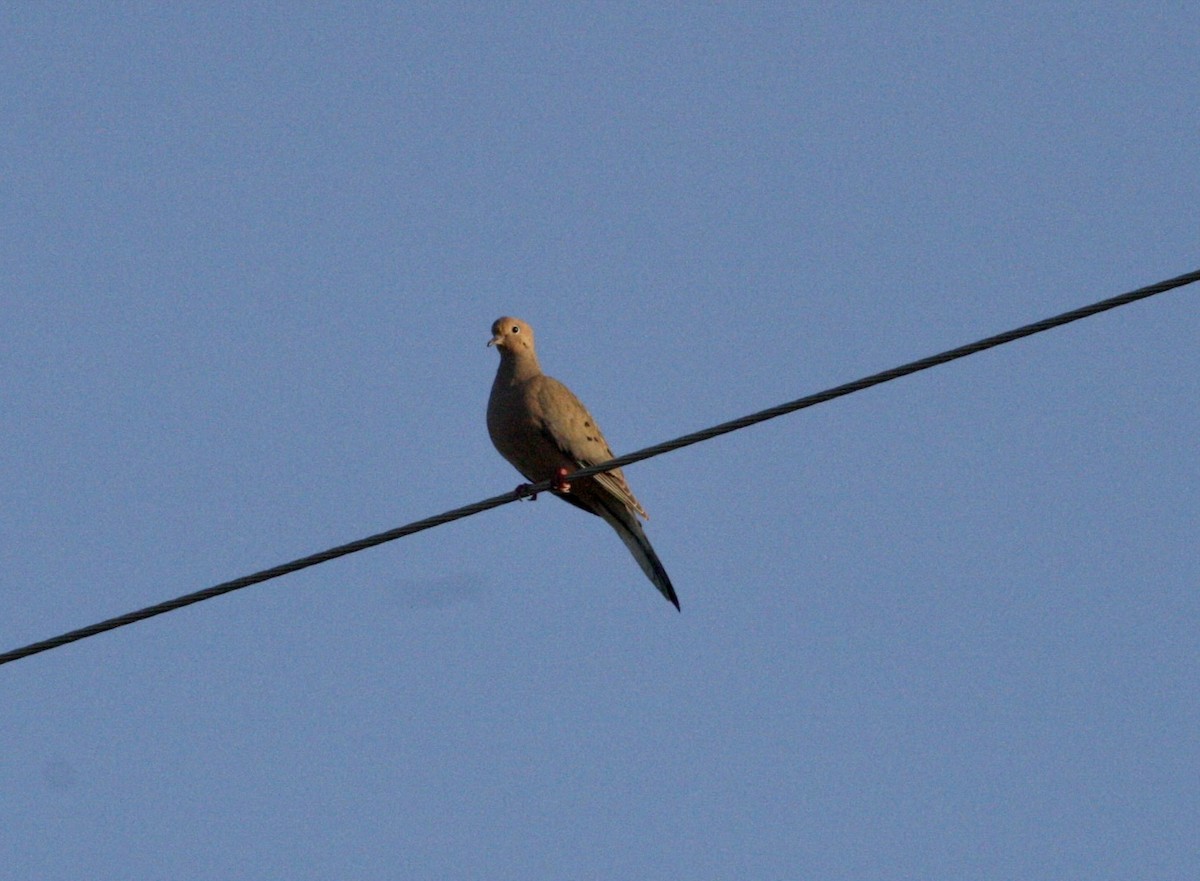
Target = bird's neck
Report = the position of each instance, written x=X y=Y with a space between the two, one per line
x=517 y=367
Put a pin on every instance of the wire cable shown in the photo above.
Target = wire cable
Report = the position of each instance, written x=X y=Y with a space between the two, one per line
x=620 y=461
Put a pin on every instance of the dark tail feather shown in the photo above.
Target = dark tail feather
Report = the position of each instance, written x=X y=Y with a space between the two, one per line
x=626 y=525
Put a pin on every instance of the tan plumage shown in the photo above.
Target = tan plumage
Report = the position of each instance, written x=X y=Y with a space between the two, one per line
x=539 y=426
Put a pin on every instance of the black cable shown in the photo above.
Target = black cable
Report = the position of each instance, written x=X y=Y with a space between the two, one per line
x=620 y=461
x=887 y=375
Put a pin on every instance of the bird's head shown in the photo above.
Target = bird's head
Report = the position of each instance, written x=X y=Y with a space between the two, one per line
x=511 y=335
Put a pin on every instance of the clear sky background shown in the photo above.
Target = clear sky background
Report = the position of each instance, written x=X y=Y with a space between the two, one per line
x=947 y=628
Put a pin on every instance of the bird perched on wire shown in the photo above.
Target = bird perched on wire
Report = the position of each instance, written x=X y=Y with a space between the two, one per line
x=546 y=433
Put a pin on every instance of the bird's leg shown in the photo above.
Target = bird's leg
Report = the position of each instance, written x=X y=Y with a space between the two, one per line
x=558 y=483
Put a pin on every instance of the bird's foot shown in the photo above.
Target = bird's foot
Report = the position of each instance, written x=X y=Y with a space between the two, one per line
x=558 y=483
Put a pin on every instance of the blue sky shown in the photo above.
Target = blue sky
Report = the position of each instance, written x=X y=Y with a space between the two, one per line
x=945 y=628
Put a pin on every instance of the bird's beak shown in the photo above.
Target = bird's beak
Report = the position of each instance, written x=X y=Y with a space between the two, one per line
x=494 y=341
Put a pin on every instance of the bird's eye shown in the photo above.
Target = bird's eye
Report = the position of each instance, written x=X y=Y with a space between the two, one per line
x=516 y=328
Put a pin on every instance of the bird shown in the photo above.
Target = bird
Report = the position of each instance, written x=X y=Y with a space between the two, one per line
x=545 y=432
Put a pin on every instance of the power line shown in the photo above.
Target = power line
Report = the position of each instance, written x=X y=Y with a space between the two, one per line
x=620 y=461
x=887 y=375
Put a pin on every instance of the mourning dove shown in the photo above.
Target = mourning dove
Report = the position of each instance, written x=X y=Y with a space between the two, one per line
x=544 y=431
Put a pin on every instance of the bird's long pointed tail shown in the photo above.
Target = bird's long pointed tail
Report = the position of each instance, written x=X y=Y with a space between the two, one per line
x=626 y=525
